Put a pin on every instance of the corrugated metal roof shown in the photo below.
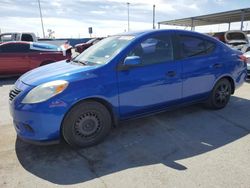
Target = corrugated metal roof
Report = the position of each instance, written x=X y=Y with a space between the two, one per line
x=209 y=19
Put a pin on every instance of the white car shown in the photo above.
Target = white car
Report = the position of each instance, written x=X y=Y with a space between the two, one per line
x=247 y=55
x=235 y=39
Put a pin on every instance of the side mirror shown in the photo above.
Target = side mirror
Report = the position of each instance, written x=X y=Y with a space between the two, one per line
x=132 y=61
x=129 y=62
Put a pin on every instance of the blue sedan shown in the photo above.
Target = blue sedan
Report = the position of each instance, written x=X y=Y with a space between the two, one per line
x=121 y=77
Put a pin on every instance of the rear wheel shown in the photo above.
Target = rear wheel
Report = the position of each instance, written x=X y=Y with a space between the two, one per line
x=220 y=94
x=86 y=124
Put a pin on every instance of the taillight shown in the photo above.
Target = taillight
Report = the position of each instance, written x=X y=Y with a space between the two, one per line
x=243 y=58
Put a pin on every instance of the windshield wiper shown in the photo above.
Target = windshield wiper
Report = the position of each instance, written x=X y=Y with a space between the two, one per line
x=79 y=61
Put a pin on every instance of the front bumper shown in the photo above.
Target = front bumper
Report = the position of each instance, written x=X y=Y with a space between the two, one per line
x=33 y=124
x=37 y=123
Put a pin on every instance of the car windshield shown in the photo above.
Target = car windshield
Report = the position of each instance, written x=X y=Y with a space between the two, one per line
x=236 y=36
x=104 y=50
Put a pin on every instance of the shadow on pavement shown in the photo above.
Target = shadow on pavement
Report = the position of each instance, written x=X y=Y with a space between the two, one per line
x=160 y=139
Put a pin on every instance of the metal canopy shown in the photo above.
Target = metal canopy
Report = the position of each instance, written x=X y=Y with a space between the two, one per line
x=210 y=19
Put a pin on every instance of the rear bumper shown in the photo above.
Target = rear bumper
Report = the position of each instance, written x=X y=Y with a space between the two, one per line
x=248 y=69
x=240 y=79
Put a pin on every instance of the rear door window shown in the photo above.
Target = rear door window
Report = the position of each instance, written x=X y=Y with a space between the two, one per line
x=193 y=46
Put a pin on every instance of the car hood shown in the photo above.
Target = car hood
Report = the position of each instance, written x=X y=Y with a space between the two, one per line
x=61 y=70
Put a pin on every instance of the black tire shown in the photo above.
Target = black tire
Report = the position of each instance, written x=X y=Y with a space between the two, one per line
x=220 y=94
x=86 y=124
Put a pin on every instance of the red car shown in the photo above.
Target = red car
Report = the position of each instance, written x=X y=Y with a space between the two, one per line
x=19 y=57
x=83 y=46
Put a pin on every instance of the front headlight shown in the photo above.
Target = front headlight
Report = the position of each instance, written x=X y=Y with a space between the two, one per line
x=45 y=91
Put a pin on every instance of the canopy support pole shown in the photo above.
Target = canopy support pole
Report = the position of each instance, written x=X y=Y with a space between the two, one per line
x=242 y=20
x=192 y=24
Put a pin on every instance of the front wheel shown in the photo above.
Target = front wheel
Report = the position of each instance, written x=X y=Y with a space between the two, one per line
x=86 y=124
x=220 y=94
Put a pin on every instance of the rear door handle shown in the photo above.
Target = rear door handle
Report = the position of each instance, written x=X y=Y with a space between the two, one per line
x=217 y=65
x=171 y=73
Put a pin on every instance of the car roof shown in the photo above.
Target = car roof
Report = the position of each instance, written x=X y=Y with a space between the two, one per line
x=138 y=34
x=8 y=33
x=155 y=31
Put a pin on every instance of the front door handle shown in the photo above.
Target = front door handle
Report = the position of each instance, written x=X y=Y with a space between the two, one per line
x=171 y=73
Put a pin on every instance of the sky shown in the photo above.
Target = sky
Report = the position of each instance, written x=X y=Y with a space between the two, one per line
x=72 y=18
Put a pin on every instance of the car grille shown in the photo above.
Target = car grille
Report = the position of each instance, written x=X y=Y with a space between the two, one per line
x=13 y=93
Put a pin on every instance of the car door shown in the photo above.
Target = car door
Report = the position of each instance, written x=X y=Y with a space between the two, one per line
x=200 y=65
x=14 y=58
x=154 y=84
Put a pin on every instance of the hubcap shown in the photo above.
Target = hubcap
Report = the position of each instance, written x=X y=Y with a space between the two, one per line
x=87 y=125
x=222 y=94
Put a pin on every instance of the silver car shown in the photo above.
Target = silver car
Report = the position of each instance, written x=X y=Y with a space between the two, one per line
x=247 y=55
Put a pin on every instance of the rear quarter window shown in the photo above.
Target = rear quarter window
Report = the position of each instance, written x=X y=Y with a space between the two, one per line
x=192 y=46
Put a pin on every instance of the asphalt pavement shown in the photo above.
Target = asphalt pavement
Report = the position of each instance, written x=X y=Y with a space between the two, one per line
x=186 y=147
